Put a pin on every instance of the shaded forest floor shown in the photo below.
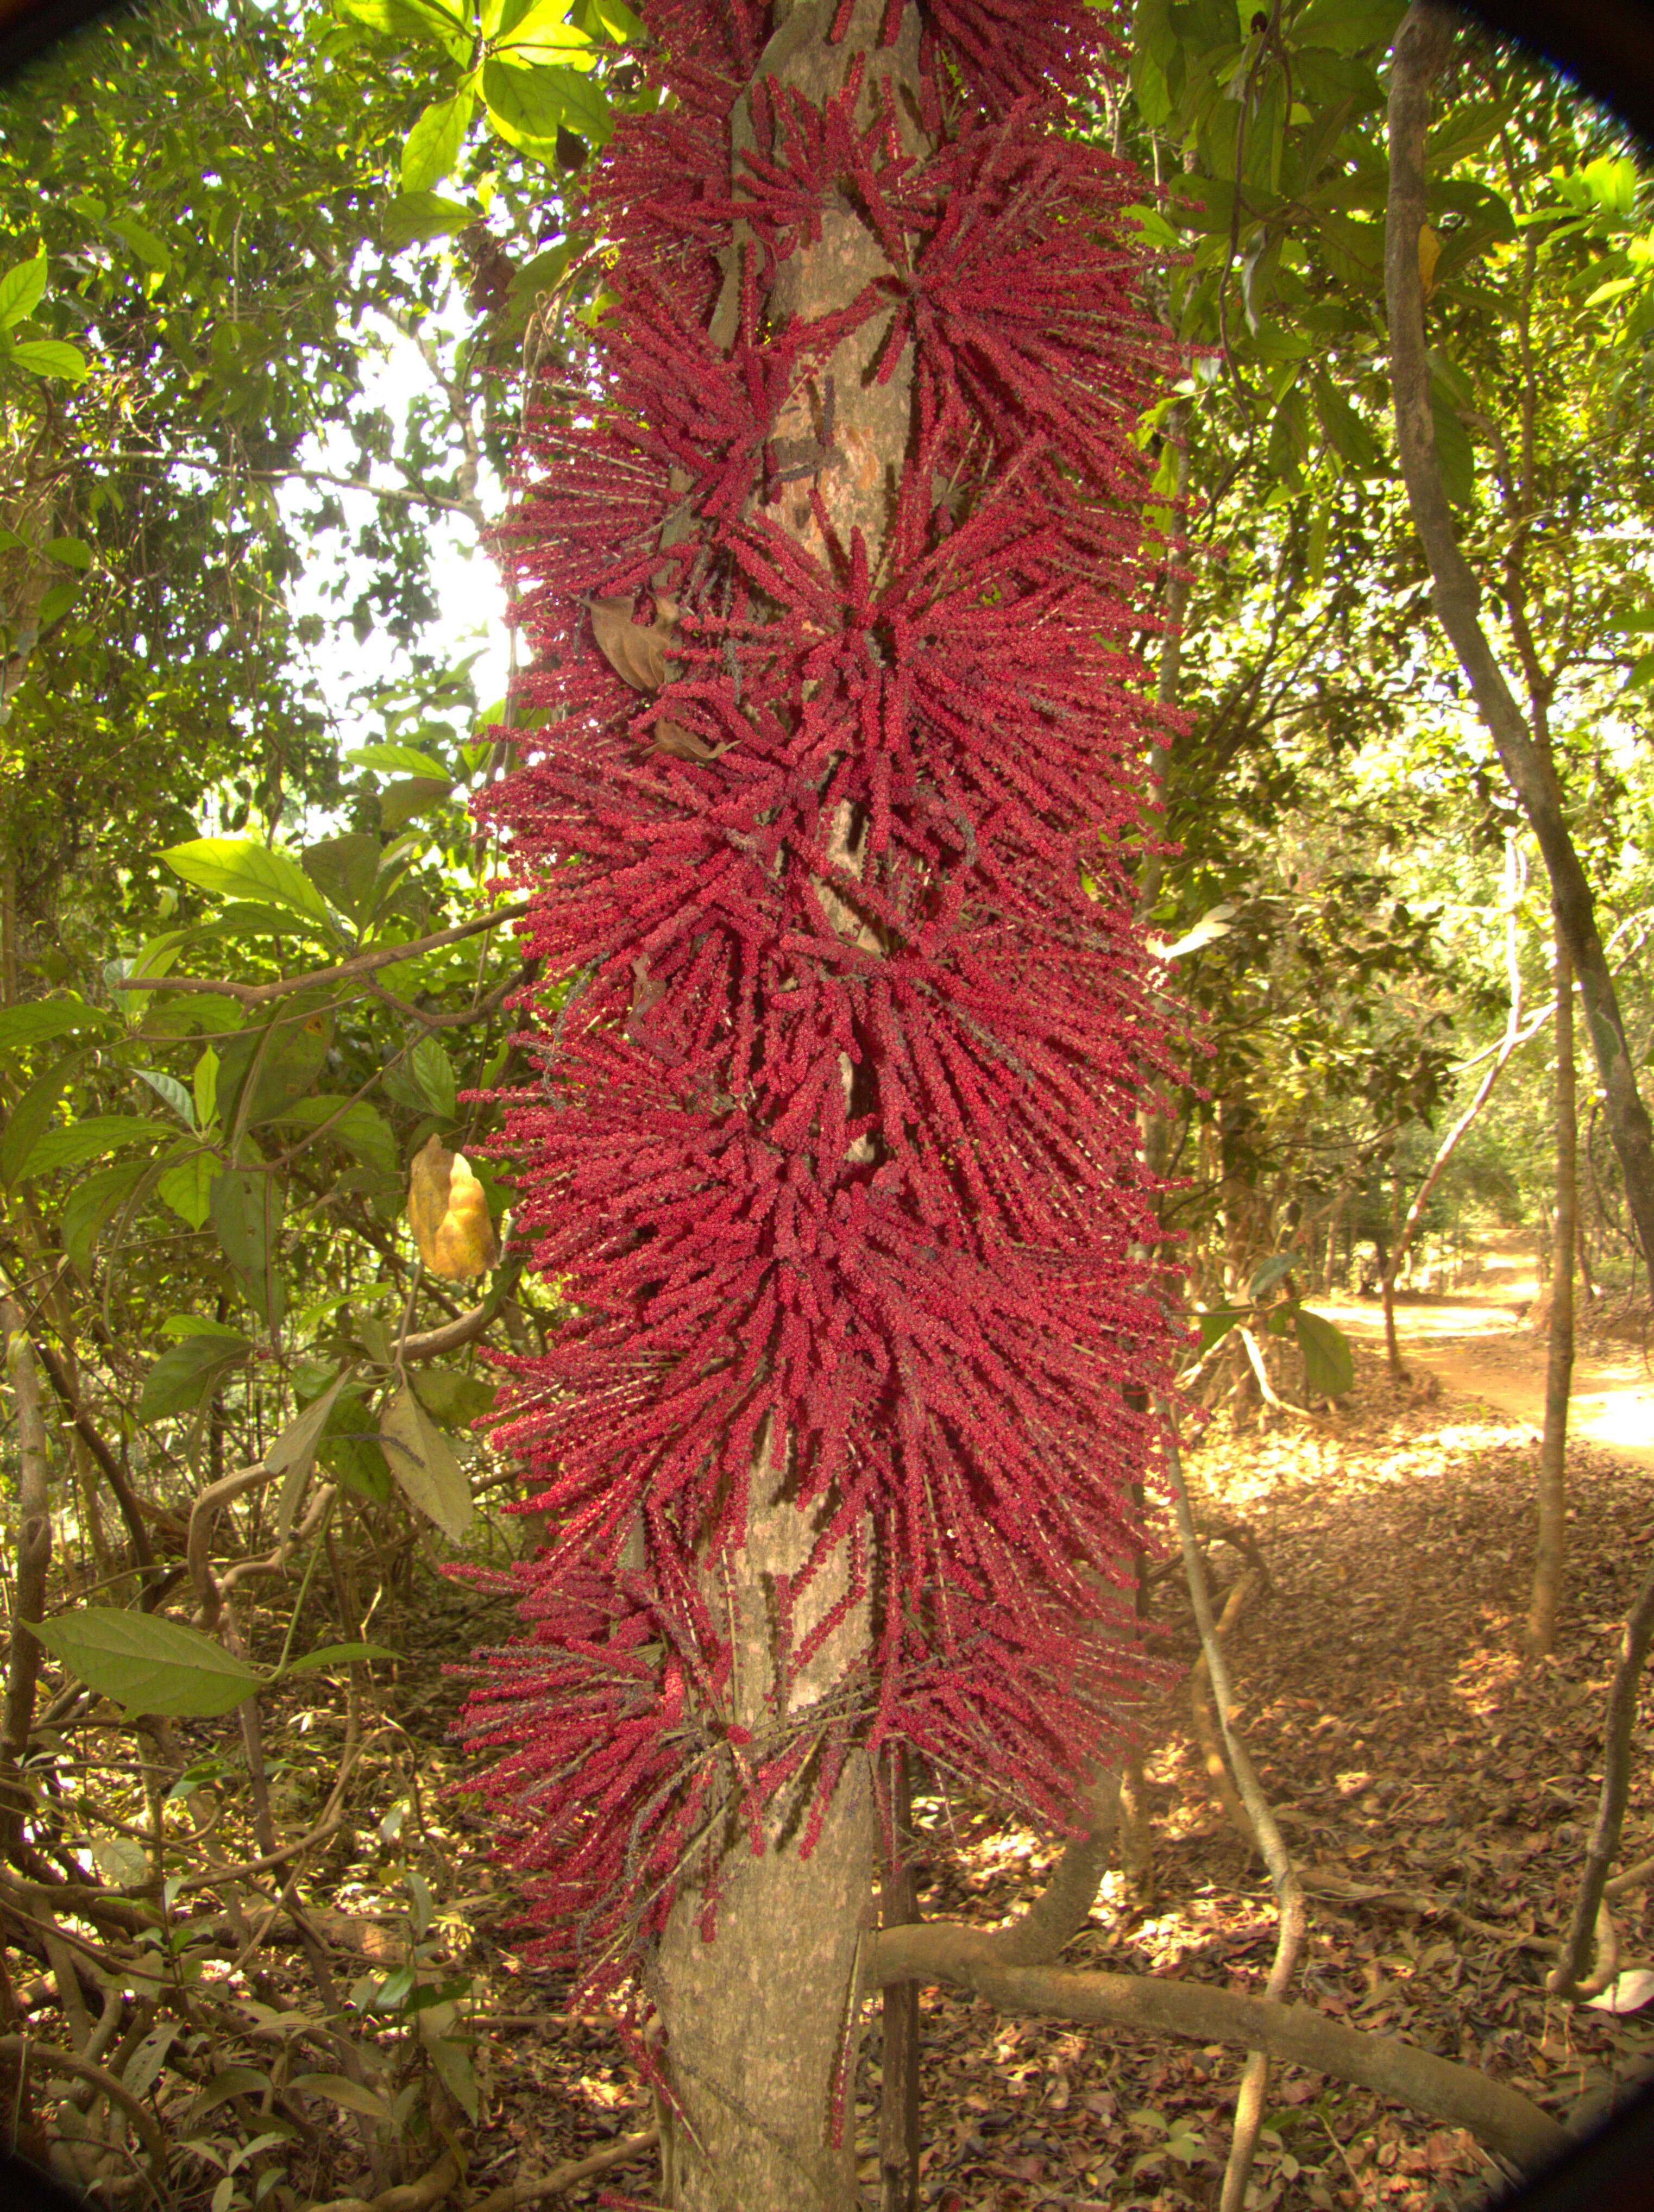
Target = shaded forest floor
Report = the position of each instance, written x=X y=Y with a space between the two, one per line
x=1407 y=1750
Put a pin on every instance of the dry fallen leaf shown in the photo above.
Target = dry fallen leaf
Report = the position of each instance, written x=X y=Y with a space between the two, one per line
x=637 y=655
x=682 y=745
x=448 y=1210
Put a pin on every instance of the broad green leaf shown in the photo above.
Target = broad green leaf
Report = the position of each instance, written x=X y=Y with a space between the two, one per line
x=1453 y=449
x=72 y=552
x=36 y=1021
x=203 y=1088
x=340 y=2089
x=247 y=1212
x=544 y=37
x=426 y=1469
x=295 y=1052
x=359 y=1127
x=178 y=1326
x=142 y=244
x=186 y=1186
x=169 y=1089
x=450 y=2058
x=1217 y=1321
x=339 y=1654
x=147 y=1664
x=404 y=801
x=413 y=216
x=22 y=290
x=526 y=107
x=29 y=1120
x=1329 y=1362
x=433 y=1072
x=452 y=1396
x=91 y=1139
x=398 y=760
x=91 y=1204
x=433 y=145
x=350 y=1449
x=240 y=867
x=294 y=1452
x=187 y=1373
x=345 y=870
x=49 y=357
x=423 y=23
x=1346 y=433
x=1273 y=1270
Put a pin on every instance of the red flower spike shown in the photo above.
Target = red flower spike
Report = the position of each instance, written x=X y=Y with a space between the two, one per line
x=927 y=1286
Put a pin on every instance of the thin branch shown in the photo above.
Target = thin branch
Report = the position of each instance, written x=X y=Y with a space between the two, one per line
x=363 y=963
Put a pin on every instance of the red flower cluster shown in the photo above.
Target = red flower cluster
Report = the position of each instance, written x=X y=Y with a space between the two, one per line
x=834 y=1150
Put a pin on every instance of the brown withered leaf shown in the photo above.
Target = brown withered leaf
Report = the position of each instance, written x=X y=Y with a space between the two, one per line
x=448 y=1211
x=682 y=745
x=637 y=655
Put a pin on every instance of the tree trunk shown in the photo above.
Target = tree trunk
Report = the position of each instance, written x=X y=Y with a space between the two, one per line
x=763 y=2023
x=1421 y=48
x=1549 y=1548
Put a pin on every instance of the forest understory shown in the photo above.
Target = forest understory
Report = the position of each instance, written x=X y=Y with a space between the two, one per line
x=1439 y=1787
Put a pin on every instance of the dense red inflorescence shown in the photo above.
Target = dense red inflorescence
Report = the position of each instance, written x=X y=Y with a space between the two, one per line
x=925 y=1284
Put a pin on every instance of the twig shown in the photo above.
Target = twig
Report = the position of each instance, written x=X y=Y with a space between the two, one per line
x=363 y=963
x=1590 y=1910
x=568 y=2175
x=1289 y=1895
x=24 y=2047
x=407 y=2197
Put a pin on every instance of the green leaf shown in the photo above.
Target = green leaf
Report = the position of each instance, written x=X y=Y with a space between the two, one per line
x=345 y=870
x=452 y=1396
x=1217 y=1321
x=1273 y=1270
x=350 y=1449
x=295 y=1053
x=294 y=1452
x=50 y=357
x=186 y=1186
x=401 y=803
x=398 y=760
x=359 y=1127
x=171 y=1092
x=72 y=552
x=340 y=2089
x=22 y=290
x=90 y=1140
x=178 y=1326
x=38 y=1020
x=1346 y=433
x=145 y=248
x=1329 y=1362
x=339 y=1654
x=203 y=1088
x=31 y=1116
x=55 y=605
x=433 y=1071
x=247 y=1212
x=147 y=1664
x=91 y=1204
x=186 y=1374
x=434 y=143
x=544 y=36
x=1453 y=449
x=526 y=106
x=413 y=216
x=239 y=867
x=418 y=1455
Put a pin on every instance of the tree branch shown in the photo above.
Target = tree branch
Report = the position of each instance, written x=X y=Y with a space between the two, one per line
x=363 y=963
x=1421 y=47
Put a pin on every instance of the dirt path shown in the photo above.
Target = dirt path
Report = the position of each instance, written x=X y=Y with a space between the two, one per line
x=1480 y=1349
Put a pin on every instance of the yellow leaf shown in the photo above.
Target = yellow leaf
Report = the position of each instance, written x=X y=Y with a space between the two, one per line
x=448 y=1211
x=1430 y=253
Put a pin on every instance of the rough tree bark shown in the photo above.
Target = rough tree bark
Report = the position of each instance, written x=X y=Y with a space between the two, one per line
x=1422 y=46
x=1550 y=1545
x=762 y=2025
x=34 y=1558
